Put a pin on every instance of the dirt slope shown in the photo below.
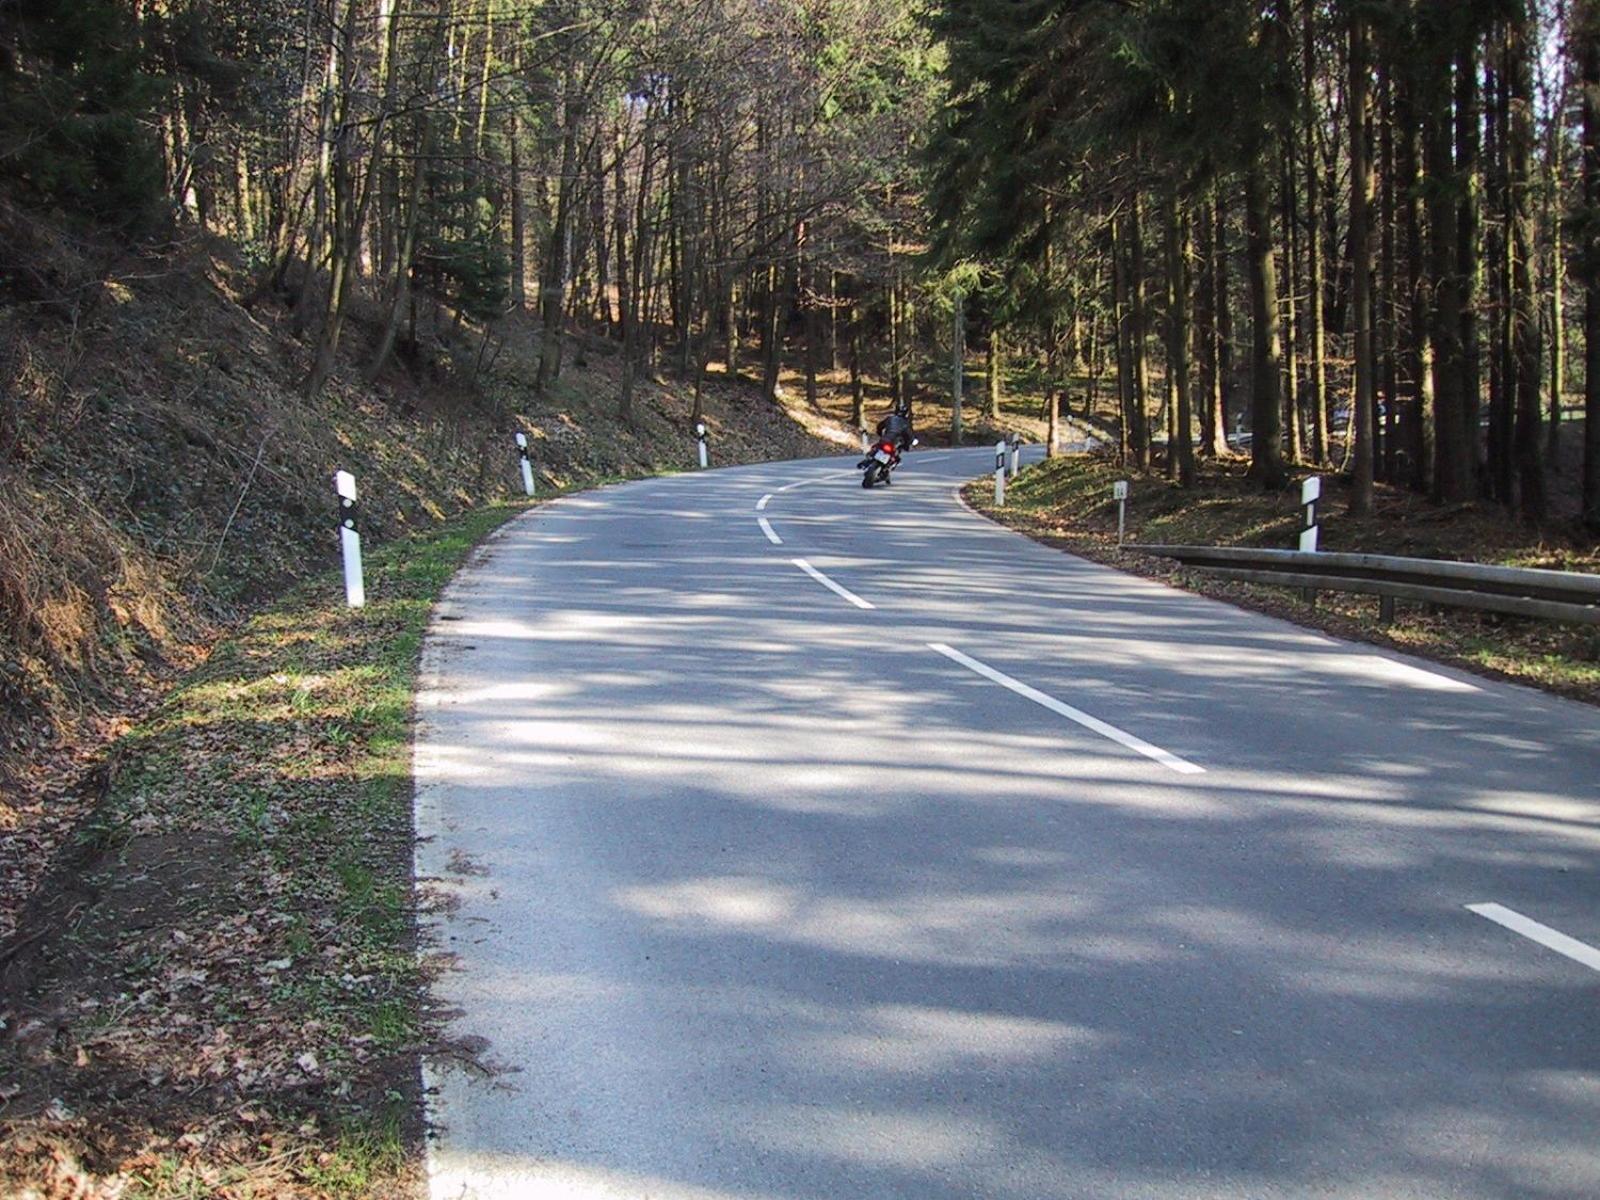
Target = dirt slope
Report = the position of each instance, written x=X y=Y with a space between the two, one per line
x=161 y=474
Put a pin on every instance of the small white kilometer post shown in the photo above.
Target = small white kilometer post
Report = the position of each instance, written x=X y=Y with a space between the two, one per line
x=1000 y=474
x=355 y=593
x=700 y=436
x=1119 y=493
x=1310 y=493
x=527 y=467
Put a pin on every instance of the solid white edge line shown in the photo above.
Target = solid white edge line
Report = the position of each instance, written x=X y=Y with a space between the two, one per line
x=766 y=528
x=831 y=585
x=1094 y=724
x=762 y=503
x=1551 y=939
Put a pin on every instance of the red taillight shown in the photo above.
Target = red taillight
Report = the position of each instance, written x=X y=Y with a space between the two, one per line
x=888 y=446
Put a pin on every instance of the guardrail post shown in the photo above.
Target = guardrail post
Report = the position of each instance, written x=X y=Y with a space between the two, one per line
x=700 y=437
x=1119 y=493
x=527 y=467
x=355 y=592
x=1000 y=474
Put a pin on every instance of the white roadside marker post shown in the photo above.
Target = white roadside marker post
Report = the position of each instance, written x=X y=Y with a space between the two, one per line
x=864 y=440
x=1119 y=493
x=700 y=436
x=1310 y=493
x=1000 y=474
x=1016 y=454
x=355 y=593
x=527 y=467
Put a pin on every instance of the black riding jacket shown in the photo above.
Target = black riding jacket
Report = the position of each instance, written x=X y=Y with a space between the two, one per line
x=896 y=428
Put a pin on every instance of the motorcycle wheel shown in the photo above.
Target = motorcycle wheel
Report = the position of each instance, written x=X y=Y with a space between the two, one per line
x=866 y=477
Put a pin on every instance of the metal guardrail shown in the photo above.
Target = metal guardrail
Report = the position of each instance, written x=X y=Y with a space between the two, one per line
x=1520 y=591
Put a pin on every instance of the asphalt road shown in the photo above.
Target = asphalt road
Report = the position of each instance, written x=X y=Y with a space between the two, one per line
x=879 y=852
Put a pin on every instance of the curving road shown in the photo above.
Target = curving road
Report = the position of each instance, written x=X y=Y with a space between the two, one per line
x=795 y=841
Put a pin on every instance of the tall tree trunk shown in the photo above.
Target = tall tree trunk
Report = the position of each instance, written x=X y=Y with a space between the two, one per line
x=1266 y=407
x=1452 y=477
x=1586 y=51
x=1222 y=280
x=1502 y=466
x=958 y=354
x=993 y=364
x=807 y=295
x=687 y=291
x=1468 y=260
x=519 y=218
x=1140 y=433
x=1205 y=331
x=1180 y=447
x=1291 y=341
x=1555 y=221
x=833 y=320
x=774 y=318
x=1122 y=312
x=1316 y=285
x=1361 y=459
x=633 y=282
x=556 y=265
x=858 y=398
x=619 y=234
x=1418 y=351
x=602 y=253
x=407 y=251
x=896 y=338
x=1525 y=339
x=1386 y=464
x=353 y=178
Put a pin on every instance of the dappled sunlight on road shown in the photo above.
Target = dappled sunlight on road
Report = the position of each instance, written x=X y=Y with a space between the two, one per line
x=508 y=1177
x=756 y=896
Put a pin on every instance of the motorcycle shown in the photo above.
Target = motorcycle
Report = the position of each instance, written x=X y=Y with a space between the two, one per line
x=883 y=457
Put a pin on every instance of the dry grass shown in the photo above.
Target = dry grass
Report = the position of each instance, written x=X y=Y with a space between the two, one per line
x=220 y=993
x=162 y=476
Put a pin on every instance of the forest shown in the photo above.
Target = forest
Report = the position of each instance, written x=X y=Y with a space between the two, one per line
x=1222 y=245
x=1358 y=235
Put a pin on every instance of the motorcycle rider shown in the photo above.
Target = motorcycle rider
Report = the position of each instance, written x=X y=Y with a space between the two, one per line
x=896 y=427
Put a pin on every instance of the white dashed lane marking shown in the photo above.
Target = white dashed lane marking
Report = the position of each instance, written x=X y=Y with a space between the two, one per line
x=831 y=585
x=1094 y=724
x=1551 y=939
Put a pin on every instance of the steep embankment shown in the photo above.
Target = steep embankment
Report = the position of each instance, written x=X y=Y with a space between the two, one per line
x=162 y=474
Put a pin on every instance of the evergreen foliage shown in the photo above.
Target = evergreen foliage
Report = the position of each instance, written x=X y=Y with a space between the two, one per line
x=75 y=96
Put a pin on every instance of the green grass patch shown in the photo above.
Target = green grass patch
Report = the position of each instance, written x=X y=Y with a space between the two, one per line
x=252 y=929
